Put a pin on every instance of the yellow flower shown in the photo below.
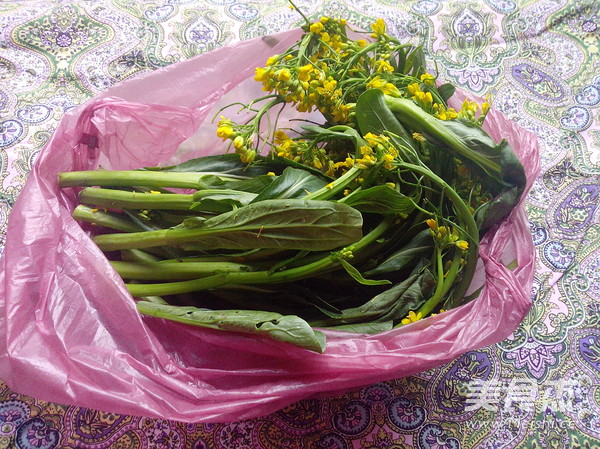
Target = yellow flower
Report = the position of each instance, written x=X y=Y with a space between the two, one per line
x=413 y=88
x=462 y=244
x=383 y=85
x=238 y=142
x=304 y=72
x=341 y=113
x=283 y=75
x=412 y=317
x=261 y=73
x=361 y=43
x=462 y=170
x=485 y=107
x=316 y=27
x=424 y=99
x=378 y=29
x=468 y=110
x=272 y=60
x=440 y=112
x=432 y=224
x=376 y=83
x=428 y=79
x=381 y=65
x=224 y=132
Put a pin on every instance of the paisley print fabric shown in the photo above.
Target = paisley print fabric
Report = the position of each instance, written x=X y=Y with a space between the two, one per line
x=540 y=62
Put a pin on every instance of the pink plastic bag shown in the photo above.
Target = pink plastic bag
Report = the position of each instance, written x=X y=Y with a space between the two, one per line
x=69 y=330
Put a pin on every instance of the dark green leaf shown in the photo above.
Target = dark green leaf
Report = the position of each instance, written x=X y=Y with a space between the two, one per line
x=374 y=116
x=320 y=134
x=249 y=185
x=219 y=201
x=285 y=328
x=419 y=247
x=284 y=224
x=446 y=91
x=223 y=164
x=507 y=187
x=277 y=164
x=394 y=303
x=415 y=62
x=381 y=200
x=401 y=64
x=355 y=274
x=292 y=183
x=363 y=328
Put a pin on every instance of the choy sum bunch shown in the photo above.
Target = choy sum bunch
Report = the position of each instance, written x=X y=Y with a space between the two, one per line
x=363 y=214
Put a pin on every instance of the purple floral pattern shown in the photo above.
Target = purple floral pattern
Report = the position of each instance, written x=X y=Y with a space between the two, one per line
x=539 y=61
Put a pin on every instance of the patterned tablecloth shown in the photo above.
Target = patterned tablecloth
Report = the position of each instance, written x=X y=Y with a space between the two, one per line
x=540 y=61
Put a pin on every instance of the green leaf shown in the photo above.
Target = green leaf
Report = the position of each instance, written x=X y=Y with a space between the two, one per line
x=219 y=201
x=446 y=91
x=277 y=164
x=345 y=132
x=250 y=185
x=283 y=224
x=419 y=247
x=355 y=274
x=415 y=62
x=392 y=304
x=506 y=187
x=374 y=116
x=285 y=328
x=223 y=164
x=381 y=200
x=401 y=64
x=286 y=299
x=292 y=183
x=395 y=303
x=369 y=328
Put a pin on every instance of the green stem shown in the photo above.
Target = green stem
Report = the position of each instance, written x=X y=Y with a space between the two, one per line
x=468 y=223
x=129 y=178
x=443 y=286
x=258 y=277
x=122 y=199
x=137 y=255
x=105 y=219
x=172 y=271
x=337 y=186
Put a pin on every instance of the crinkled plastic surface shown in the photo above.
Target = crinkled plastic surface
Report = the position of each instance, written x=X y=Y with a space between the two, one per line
x=69 y=330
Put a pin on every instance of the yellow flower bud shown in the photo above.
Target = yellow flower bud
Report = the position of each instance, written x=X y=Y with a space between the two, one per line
x=462 y=244
x=238 y=142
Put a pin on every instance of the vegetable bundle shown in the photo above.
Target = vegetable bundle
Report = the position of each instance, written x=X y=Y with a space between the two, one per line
x=368 y=219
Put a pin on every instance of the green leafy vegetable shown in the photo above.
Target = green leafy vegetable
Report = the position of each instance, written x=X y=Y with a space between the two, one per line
x=362 y=220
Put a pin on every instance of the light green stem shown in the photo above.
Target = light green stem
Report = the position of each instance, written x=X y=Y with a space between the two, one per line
x=175 y=271
x=129 y=178
x=101 y=218
x=122 y=199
